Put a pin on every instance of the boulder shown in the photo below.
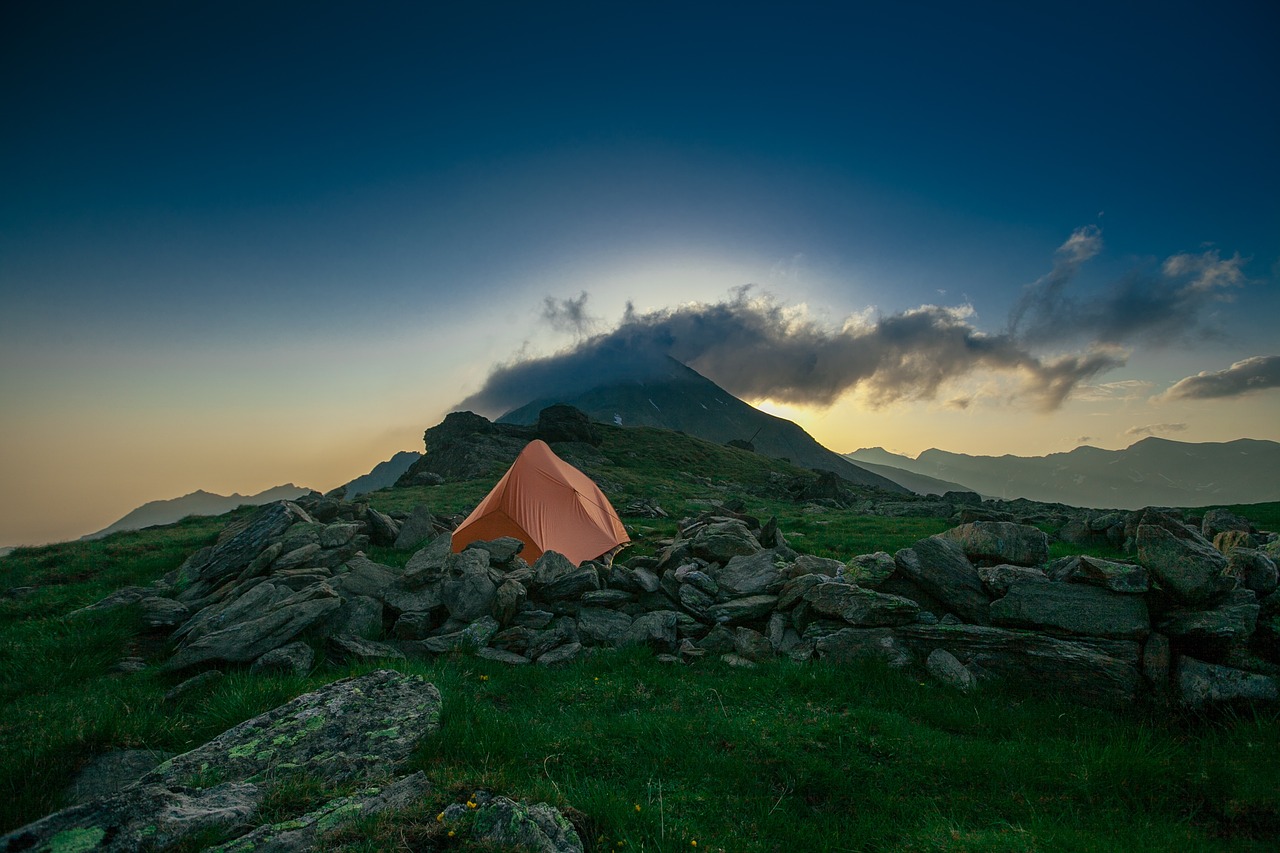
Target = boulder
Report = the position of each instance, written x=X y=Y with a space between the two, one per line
x=160 y=612
x=794 y=590
x=352 y=648
x=509 y=598
x=246 y=640
x=752 y=645
x=338 y=534
x=572 y=585
x=307 y=832
x=870 y=570
x=1232 y=620
x=993 y=542
x=851 y=645
x=427 y=564
x=722 y=540
x=749 y=574
x=1217 y=521
x=500 y=550
x=550 y=567
x=603 y=627
x=359 y=615
x=467 y=591
x=560 y=654
x=1228 y=540
x=1117 y=577
x=1254 y=569
x=862 y=608
x=1072 y=608
x=298 y=557
x=746 y=609
x=362 y=576
x=538 y=828
x=807 y=564
x=999 y=578
x=1201 y=684
x=942 y=570
x=383 y=529
x=944 y=666
x=1094 y=671
x=291 y=659
x=1185 y=565
x=238 y=545
x=656 y=630
x=416 y=529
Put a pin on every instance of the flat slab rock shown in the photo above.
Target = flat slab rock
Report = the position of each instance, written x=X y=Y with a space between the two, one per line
x=351 y=729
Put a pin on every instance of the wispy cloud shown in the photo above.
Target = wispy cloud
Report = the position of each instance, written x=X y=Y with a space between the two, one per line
x=569 y=315
x=1244 y=377
x=1155 y=429
x=1124 y=389
x=757 y=347
x=1160 y=308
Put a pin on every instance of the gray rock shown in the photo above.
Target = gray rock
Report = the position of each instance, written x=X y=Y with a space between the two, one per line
x=194 y=684
x=501 y=550
x=475 y=636
x=362 y=576
x=656 y=630
x=1187 y=566
x=1073 y=608
x=296 y=558
x=1255 y=570
x=508 y=600
x=467 y=591
x=860 y=607
x=299 y=535
x=533 y=618
x=359 y=615
x=338 y=534
x=552 y=566
x=236 y=548
x=999 y=578
x=739 y=610
x=605 y=598
x=160 y=612
x=416 y=529
x=721 y=541
x=1093 y=671
x=808 y=564
x=111 y=772
x=646 y=580
x=120 y=598
x=427 y=565
x=752 y=645
x=307 y=832
x=944 y=666
x=502 y=656
x=719 y=639
x=1117 y=577
x=538 y=828
x=994 y=542
x=351 y=647
x=351 y=729
x=1217 y=521
x=416 y=626
x=870 y=570
x=560 y=654
x=291 y=659
x=1231 y=620
x=1157 y=657
x=851 y=645
x=942 y=570
x=753 y=574
x=403 y=597
x=572 y=585
x=794 y=590
x=245 y=641
x=149 y=817
x=383 y=529
x=1201 y=684
x=603 y=627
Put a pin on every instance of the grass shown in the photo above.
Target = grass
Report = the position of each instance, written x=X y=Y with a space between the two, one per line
x=781 y=757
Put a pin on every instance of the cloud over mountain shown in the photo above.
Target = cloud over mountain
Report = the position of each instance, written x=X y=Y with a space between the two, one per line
x=756 y=346
x=1243 y=377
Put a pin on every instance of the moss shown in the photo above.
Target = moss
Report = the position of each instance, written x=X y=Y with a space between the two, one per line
x=244 y=750
x=392 y=732
x=76 y=840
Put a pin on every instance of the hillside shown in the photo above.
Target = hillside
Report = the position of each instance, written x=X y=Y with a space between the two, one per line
x=383 y=474
x=198 y=502
x=680 y=399
x=1152 y=472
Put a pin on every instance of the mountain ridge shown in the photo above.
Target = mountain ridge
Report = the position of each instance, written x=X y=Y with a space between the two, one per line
x=1150 y=472
x=199 y=502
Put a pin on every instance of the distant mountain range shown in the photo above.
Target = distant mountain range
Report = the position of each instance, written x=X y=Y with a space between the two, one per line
x=1152 y=472
x=676 y=397
x=197 y=503
x=383 y=474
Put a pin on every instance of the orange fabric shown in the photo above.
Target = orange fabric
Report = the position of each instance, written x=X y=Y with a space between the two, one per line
x=550 y=506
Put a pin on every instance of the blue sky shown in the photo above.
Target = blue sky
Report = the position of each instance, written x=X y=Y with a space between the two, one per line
x=242 y=245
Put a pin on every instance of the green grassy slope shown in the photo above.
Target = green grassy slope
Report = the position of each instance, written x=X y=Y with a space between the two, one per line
x=782 y=757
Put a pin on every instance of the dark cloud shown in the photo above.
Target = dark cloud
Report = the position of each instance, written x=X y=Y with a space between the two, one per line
x=1083 y=439
x=1154 y=429
x=1160 y=308
x=569 y=315
x=756 y=347
x=1243 y=377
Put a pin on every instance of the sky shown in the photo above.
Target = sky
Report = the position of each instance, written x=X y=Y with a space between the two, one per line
x=245 y=244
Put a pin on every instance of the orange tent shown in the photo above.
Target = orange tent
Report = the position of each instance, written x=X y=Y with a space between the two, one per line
x=550 y=506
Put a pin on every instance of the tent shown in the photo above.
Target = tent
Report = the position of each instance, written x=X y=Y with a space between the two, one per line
x=550 y=506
